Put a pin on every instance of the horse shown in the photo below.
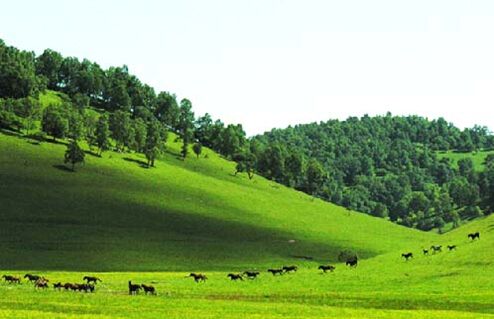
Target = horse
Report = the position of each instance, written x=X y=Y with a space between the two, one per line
x=11 y=279
x=58 y=285
x=41 y=283
x=148 y=289
x=68 y=286
x=133 y=289
x=437 y=248
x=352 y=262
x=325 y=268
x=451 y=247
x=32 y=278
x=90 y=279
x=86 y=288
x=472 y=236
x=251 y=274
x=198 y=277
x=425 y=251
x=289 y=268
x=235 y=277
x=407 y=256
x=276 y=271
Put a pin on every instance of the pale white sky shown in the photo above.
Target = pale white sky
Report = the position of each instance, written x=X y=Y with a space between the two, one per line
x=271 y=63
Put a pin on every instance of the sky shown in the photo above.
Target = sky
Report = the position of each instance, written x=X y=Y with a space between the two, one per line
x=273 y=63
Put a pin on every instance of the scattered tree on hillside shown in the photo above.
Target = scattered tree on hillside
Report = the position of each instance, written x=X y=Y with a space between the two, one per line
x=185 y=125
x=197 y=148
x=54 y=122
x=102 y=134
x=74 y=154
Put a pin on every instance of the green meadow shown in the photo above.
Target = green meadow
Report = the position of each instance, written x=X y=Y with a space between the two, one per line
x=119 y=220
x=478 y=157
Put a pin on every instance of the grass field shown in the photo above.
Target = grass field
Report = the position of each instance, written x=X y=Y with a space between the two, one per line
x=478 y=158
x=456 y=284
x=121 y=221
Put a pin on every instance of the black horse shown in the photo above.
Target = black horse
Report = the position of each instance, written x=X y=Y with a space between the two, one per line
x=276 y=271
x=326 y=268
x=251 y=274
x=474 y=236
x=425 y=251
x=134 y=289
x=290 y=268
x=407 y=255
x=451 y=247
x=235 y=277
x=148 y=289
x=437 y=248
x=90 y=279
x=32 y=278
x=352 y=262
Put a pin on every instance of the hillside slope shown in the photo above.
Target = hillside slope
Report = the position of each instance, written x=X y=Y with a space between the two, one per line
x=114 y=214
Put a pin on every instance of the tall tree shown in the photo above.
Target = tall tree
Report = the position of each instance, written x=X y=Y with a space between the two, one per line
x=186 y=125
x=74 y=154
x=102 y=134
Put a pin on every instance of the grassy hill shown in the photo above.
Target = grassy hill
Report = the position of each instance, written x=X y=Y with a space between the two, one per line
x=478 y=158
x=114 y=214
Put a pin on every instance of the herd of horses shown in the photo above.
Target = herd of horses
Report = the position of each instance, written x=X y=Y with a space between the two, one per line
x=439 y=248
x=41 y=282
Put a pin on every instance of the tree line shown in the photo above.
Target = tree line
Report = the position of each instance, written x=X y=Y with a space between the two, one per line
x=386 y=166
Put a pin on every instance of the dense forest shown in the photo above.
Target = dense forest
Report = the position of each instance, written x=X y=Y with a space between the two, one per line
x=386 y=166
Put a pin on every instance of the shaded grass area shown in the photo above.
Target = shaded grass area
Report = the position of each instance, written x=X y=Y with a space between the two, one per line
x=194 y=214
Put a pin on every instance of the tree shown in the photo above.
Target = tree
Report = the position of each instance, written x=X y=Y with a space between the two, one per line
x=315 y=177
x=167 y=110
x=246 y=162
x=186 y=125
x=54 y=122
x=140 y=130
x=74 y=154
x=48 y=65
x=102 y=134
x=17 y=73
x=197 y=148
x=155 y=139
x=120 y=126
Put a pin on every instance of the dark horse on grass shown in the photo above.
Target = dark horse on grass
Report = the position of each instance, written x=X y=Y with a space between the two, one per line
x=407 y=256
x=474 y=236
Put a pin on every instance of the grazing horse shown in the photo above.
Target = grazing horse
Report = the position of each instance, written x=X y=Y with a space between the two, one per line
x=289 y=268
x=58 y=285
x=352 y=262
x=148 y=289
x=425 y=251
x=407 y=256
x=276 y=271
x=41 y=283
x=89 y=279
x=235 y=277
x=86 y=288
x=437 y=248
x=325 y=268
x=198 y=277
x=451 y=247
x=251 y=274
x=68 y=286
x=32 y=278
x=133 y=289
x=11 y=279
x=472 y=236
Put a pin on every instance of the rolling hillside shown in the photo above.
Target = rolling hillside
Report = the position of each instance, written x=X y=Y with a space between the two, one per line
x=113 y=214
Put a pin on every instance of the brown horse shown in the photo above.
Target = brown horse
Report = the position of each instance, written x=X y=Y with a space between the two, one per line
x=198 y=277
x=11 y=279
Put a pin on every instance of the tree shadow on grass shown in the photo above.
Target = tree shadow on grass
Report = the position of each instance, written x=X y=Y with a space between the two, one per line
x=89 y=152
x=63 y=168
x=137 y=161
